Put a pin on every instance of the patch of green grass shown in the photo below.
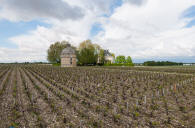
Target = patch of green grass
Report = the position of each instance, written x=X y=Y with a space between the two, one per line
x=182 y=109
x=154 y=123
x=95 y=123
x=14 y=91
x=56 y=64
x=116 y=117
x=136 y=114
x=122 y=64
x=16 y=114
x=15 y=125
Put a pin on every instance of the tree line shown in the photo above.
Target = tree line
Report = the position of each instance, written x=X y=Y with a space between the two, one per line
x=87 y=53
x=161 y=63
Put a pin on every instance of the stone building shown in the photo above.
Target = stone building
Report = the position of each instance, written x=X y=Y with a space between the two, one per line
x=68 y=57
x=108 y=56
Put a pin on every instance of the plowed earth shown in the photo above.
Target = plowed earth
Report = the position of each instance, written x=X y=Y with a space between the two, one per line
x=40 y=96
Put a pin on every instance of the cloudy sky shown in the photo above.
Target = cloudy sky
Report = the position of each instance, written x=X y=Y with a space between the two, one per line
x=143 y=29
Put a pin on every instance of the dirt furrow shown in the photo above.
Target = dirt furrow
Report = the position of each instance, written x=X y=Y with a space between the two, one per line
x=3 y=73
x=3 y=79
x=28 y=118
x=65 y=107
x=45 y=114
x=7 y=103
x=90 y=110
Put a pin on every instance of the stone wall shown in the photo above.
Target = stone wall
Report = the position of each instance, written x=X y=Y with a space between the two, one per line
x=109 y=58
x=66 y=61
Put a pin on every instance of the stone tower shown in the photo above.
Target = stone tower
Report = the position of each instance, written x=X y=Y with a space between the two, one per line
x=68 y=57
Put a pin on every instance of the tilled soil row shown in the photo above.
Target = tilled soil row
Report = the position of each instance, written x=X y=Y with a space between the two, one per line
x=164 y=107
x=7 y=102
x=109 y=114
x=131 y=111
x=72 y=106
x=45 y=115
x=3 y=73
x=28 y=117
x=4 y=78
x=114 y=111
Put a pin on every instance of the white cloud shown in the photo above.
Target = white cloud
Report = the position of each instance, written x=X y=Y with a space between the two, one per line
x=141 y=29
x=15 y=55
x=98 y=7
x=154 y=29
x=35 y=43
x=136 y=2
x=26 y=10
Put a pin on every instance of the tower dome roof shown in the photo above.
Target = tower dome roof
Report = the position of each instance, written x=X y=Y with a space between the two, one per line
x=68 y=50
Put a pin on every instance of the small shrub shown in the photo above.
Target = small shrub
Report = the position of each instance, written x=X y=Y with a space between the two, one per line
x=116 y=117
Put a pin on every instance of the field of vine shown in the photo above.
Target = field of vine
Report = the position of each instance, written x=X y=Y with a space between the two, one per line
x=40 y=96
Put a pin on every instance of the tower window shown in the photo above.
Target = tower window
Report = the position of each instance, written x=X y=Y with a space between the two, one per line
x=70 y=60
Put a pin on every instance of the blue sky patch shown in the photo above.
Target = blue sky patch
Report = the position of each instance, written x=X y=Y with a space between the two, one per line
x=96 y=28
x=115 y=4
x=190 y=13
x=191 y=23
x=184 y=59
x=9 y=29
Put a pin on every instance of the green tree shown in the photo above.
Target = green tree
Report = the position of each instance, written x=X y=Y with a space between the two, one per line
x=113 y=55
x=160 y=63
x=129 y=60
x=87 y=57
x=86 y=44
x=88 y=53
x=120 y=59
x=101 y=57
x=54 y=51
